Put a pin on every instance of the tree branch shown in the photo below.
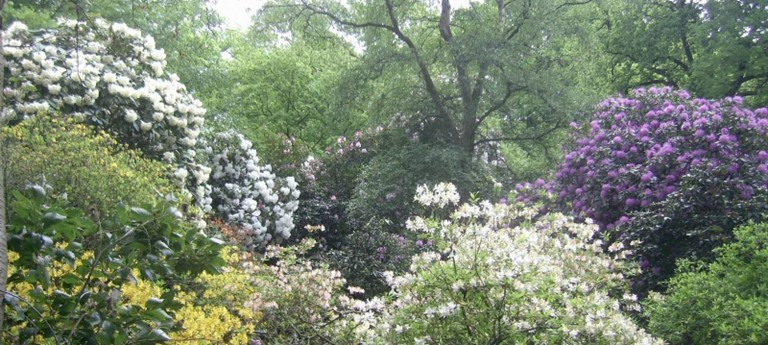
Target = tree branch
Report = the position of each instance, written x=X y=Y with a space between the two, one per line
x=572 y=3
x=423 y=69
x=445 y=21
x=537 y=137
x=508 y=93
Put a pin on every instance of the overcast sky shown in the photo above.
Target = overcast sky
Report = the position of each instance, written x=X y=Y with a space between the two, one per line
x=238 y=13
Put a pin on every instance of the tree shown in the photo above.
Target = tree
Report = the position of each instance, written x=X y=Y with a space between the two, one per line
x=713 y=48
x=282 y=96
x=3 y=233
x=451 y=71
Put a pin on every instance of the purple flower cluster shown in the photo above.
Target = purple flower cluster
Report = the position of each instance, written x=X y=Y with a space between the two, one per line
x=641 y=149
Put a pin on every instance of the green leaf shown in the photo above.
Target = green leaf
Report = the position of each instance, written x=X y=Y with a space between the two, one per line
x=51 y=218
x=144 y=214
x=84 y=297
x=106 y=334
x=154 y=302
x=158 y=315
x=71 y=279
x=160 y=334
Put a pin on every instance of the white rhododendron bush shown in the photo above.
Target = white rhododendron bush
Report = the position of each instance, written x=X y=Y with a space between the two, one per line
x=247 y=194
x=504 y=276
x=112 y=77
x=106 y=74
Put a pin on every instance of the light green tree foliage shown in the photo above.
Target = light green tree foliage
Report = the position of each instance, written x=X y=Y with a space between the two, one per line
x=492 y=72
x=714 y=48
x=282 y=96
x=188 y=30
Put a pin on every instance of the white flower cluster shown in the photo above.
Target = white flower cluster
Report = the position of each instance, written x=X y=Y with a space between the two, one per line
x=248 y=194
x=106 y=74
x=504 y=275
x=442 y=195
x=112 y=77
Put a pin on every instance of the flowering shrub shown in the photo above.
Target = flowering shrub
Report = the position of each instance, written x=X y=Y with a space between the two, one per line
x=724 y=302
x=244 y=193
x=501 y=277
x=328 y=182
x=673 y=172
x=106 y=74
x=112 y=77
x=299 y=301
x=362 y=190
x=369 y=252
x=114 y=291
x=90 y=167
x=218 y=312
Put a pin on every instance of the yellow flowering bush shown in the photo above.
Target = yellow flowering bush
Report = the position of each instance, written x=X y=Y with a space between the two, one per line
x=218 y=314
x=132 y=277
x=88 y=165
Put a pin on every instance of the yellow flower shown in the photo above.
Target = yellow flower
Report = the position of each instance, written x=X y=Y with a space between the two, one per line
x=138 y=294
x=210 y=325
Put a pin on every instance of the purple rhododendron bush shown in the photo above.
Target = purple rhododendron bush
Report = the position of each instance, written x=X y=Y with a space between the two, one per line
x=669 y=172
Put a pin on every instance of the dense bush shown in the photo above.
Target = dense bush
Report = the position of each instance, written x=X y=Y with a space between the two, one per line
x=242 y=192
x=361 y=192
x=106 y=74
x=364 y=255
x=296 y=300
x=501 y=277
x=92 y=169
x=76 y=280
x=676 y=173
x=110 y=76
x=725 y=302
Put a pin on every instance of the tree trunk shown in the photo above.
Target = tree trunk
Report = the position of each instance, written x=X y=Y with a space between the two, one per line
x=3 y=236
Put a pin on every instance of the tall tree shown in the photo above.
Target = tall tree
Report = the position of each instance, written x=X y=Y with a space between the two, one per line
x=714 y=48
x=282 y=96
x=453 y=71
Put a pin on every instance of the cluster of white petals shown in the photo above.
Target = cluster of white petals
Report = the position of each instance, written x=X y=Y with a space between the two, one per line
x=247 y=194
x=106 y=74
x=112 y=77
x=502 y=274
x=441 y=195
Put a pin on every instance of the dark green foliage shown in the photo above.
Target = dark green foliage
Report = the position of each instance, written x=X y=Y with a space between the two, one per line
x=725 y=302
x=362 y=194
x=365 y=254
x=70 y=270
